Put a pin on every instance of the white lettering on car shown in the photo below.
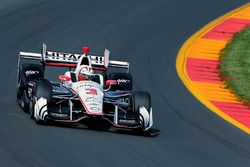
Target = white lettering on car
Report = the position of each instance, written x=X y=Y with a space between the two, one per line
x=30 y=72
x=122 y=81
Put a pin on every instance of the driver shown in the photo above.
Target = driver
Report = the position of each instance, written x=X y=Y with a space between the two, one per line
x=85 y=73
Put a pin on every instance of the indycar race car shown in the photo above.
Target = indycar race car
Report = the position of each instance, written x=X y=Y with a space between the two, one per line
x=81 y=92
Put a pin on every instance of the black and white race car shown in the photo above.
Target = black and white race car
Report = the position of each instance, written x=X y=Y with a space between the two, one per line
x=82 y=92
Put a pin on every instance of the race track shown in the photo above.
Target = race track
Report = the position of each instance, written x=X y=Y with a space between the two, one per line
x=146 y=33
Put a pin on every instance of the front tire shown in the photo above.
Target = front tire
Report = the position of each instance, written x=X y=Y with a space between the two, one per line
x=43 y=89
x=138 y=100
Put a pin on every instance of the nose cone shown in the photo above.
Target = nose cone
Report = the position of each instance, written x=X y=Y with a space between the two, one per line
x=90 y=95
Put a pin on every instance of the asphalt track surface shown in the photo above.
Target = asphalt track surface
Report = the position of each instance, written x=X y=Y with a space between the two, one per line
x=146 y=33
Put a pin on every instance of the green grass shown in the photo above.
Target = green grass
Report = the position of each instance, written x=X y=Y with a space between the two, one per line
x=235 y=65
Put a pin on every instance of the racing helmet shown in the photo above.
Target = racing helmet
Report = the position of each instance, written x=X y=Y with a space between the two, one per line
x=85 y=73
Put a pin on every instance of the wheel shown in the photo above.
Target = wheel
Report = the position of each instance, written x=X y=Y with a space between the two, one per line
x=21 y=94
x=27 y=72
x=124 y=80
x=24 y=102
x=139 y=99
x=19 y=86
x=43 y=88
x=31 y=109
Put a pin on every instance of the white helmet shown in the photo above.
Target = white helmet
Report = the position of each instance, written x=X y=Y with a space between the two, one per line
x=84 y=72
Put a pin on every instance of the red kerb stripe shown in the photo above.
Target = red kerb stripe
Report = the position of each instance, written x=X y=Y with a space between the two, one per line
x=203 y=70
x=227 y=29
x=238 y=111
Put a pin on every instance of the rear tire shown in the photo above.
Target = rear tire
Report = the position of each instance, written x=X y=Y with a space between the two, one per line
x=19 y=90
x=25 y=75
x=24 y=102
x=21 y=95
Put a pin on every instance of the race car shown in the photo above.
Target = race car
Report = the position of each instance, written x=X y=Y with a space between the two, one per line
x=89 y=89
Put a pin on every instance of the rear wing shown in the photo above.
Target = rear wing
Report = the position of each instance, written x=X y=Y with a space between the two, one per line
x=62 y=59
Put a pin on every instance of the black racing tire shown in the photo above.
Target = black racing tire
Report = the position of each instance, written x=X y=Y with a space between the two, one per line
x=24 y=99
x=139 y=99
x=21 y=95
x=43 y=88
x=20 y=85
x=125 y=86
x=23 y=79
x=31 y=109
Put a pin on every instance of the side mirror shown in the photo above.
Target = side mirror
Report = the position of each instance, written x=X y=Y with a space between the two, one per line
x=73 y=77
x=111 y=82
x=64 y=78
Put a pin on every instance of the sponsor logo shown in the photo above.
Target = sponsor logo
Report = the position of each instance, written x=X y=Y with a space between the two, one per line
x=127 y=121
x=95 y=108
x=92 y=99
x=88 y=85
x=89 y=99
x=123 y=100
x=59 y=115
x=31 y=72
x=69 y=57
x=93 y=104
x=63 y=56
x=121 y=81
